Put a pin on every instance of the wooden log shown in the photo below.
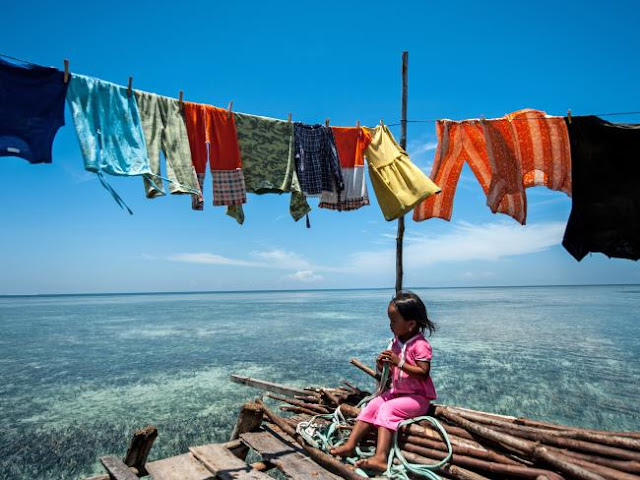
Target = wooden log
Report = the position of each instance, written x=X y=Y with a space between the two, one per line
x=368 y=370
x=613 y=441
x=264 y=385
x=555 y=438
x=452 y=471
x=118 y=470
x=292 y=401
x=495 y=468
x=483 y=454
x=623 y=465
x=291 y=408
x=308 y=398
x=323 y=459
x=139 y=448
x=313 y=391
x=570 y=443
x=332 y=398
x=606 y=472
x=249 y=420
x=532 y=449
x=544 y=425
x=352 y=387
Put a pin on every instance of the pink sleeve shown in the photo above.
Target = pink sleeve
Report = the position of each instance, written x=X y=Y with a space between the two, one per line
x=421 y=351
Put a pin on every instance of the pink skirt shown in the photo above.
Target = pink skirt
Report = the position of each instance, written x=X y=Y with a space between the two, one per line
x=388 y=409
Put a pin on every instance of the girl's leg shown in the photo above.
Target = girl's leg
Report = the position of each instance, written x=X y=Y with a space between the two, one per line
x=390 y=414
x=379 y=460
x=359 y=430
x=365 y=420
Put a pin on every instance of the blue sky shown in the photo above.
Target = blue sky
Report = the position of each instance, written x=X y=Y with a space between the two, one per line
x=62 y=232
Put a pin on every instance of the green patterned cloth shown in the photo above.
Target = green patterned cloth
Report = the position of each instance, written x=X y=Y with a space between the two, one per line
x=268 y=163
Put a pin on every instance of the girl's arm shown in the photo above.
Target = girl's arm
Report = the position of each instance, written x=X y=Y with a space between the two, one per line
x=420 y=370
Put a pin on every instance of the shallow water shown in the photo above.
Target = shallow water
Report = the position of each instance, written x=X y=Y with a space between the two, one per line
x=79 y=373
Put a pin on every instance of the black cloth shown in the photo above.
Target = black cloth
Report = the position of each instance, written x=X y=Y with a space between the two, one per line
x=605 y=169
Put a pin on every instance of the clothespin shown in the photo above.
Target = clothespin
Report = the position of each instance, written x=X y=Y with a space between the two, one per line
x=289 y=119
x=129 y=90
x=229 y=111
x=181 y=97
x=381 y=121
x=326 y=122
x=569 y=116
x=66 y=70
x=357 y=123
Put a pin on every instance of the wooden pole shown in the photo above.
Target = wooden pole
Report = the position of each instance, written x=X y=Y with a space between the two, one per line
x=403 y=144
x=139 y=448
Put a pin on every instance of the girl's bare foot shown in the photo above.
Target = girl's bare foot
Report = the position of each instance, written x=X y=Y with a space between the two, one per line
x=373 y=463
x=343 y=451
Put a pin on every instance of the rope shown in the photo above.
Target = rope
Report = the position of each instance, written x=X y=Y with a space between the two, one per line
x=333 y=434
x=401 y=121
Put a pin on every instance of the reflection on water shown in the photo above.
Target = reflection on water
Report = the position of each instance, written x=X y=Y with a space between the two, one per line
x=78 y=374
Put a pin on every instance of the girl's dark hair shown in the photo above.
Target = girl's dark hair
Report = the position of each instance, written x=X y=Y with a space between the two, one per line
x=412 y=308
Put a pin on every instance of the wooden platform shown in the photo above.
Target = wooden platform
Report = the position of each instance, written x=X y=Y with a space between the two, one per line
x=485 y=445
x=214 y=461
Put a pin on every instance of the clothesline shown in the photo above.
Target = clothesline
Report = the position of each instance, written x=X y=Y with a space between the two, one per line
x=611 y=114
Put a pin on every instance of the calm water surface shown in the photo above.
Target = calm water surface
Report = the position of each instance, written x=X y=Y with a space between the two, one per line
x=79 y=373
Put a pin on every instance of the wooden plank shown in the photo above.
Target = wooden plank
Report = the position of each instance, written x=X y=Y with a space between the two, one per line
x=182 y=467
x=264 y=385
x=117 y=469
x=224 y=465
x=287 y=457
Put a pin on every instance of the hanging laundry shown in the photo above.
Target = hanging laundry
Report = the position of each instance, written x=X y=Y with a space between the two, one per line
x=212 y=137
x=317 y=159
x=523 y=149
x=164 y=129
x=398 y=184
x=108 y=125
x=351 y=144
x=268 y=163
x=605 y=212
x=31 y=109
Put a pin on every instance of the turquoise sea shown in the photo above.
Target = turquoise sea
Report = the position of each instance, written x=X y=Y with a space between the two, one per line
x=79 y=373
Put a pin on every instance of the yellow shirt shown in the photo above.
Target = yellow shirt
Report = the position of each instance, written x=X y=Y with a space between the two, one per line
x=398 y=184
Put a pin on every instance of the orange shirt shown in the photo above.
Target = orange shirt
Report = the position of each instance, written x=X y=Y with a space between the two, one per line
x=351 y=143
x=213 y=125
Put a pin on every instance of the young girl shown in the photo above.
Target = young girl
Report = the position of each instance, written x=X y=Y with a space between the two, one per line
x=409 y=356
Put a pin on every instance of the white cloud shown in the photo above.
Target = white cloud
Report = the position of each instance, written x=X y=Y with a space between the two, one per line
x=422 y=148
x=283 y=259
x=306 y=276
x=212 y=259
x=477 y=274
x=275 y=258
x=467 y=242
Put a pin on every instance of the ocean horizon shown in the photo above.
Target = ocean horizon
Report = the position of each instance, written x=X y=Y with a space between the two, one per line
x=80 y=372
x=266 y=290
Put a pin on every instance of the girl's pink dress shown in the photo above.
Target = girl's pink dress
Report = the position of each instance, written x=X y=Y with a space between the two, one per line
x=408 y=397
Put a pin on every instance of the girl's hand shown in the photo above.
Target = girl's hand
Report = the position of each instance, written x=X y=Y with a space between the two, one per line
x=389 y=356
